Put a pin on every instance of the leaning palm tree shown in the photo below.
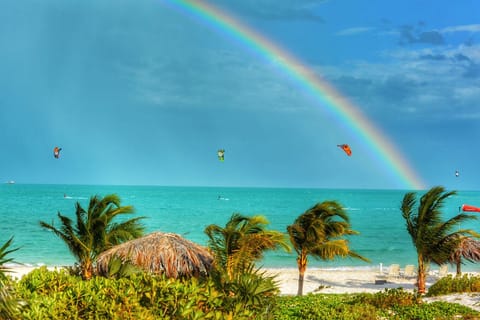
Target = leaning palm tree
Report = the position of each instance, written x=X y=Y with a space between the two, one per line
x=241 y=242
x=434 y=239
x=468 y=249
x=94 y=230
x=317 y=232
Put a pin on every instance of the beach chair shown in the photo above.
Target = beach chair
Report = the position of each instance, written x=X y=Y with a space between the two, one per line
x=443 y=271
x=394 y=271
x=409 y=271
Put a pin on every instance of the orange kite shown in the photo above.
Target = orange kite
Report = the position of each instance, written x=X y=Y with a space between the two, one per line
x=56 y=152
x=346 y=148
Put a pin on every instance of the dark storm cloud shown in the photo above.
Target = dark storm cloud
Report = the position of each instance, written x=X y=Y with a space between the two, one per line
x=274 y=9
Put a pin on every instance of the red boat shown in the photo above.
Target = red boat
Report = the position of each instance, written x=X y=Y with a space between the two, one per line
x=469 y=208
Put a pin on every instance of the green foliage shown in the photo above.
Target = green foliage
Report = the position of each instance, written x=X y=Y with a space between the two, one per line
x=95 y=229
x=319 y=232
x=434 y=239
x=389 y=297
x=242 y=241
x=120 y=269
x=450 y=284
x=251 y=289
x=10 y=305
x=4 y=259
x=390 y=304
x=60 y=295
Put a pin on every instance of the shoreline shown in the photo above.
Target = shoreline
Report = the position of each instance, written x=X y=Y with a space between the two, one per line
x=316 y=280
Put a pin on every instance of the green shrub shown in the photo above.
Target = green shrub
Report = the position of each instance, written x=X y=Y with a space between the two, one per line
x=388 y=304
x=450 y=284
x=389 y=298
x=59 y=295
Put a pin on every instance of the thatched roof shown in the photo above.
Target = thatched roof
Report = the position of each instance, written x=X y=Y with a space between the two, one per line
x=161 y=253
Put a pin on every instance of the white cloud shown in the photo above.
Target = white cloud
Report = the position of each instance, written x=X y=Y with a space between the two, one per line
x=353 y=31
x=463 y=28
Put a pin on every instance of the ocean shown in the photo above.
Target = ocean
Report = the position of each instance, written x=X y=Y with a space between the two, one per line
x=375 y=214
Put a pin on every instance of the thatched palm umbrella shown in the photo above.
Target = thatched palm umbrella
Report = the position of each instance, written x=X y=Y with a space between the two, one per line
x=161 y=253
x=468 y=249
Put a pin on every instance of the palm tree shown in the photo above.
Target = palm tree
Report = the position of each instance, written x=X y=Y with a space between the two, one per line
x=469 y=249
x=242 y=242
x=10 y=306
x=95 y=230
x=317 y=232
x=434 y=239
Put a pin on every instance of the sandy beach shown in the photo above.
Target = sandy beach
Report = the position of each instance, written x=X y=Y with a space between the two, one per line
x=343 y=280
x=350 y=280
x=336 y=281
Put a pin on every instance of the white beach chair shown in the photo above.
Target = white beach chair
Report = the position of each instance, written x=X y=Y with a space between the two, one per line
x=409 y=271
x=394 y=271
x=443 y=271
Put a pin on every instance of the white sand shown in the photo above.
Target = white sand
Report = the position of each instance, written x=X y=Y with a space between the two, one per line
x=349 y=280
x=344 y=280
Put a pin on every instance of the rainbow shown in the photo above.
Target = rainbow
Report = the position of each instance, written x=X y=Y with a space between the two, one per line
x=381 y=149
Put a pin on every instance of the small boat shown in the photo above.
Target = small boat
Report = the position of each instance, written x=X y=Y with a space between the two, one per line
x=10 y=182
x=469 y=208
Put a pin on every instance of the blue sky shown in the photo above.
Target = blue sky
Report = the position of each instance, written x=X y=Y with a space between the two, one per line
x=138 y=93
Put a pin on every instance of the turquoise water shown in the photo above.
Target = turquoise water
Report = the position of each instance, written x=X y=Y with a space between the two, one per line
x=188 y=210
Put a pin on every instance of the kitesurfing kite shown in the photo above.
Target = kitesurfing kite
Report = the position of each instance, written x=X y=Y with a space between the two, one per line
x=469 y=208
x=346 y=148
x=457 y=173
x=56 y=152
x=221 y=154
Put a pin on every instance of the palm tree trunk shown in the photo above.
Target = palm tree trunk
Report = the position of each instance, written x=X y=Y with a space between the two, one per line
x=459 y=267
x=302 y=267
x=421 y=275
x=87 y=269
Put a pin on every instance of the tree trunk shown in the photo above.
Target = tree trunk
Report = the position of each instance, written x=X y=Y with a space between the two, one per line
x=87 y=269
x=302 y=266
x=421 y=275
x=459 y=267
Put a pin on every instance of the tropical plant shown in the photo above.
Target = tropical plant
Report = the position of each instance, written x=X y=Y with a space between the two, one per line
x=318 y=232
x=121 y=269
x=95 y=230
x=4 y=259
x=434 y=239
x=468 y=249
x=10 y=306
x=242 y=242
x=251 y=289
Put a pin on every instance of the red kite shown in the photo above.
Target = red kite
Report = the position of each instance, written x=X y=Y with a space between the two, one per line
x=469 y=208
x=56 y=152
x=346 y=148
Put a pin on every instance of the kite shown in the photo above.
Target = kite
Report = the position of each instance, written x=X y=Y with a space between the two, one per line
x=457 y=173
x=56 y=152
x=221 y=154
x=346 y=148
x=469 y=208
